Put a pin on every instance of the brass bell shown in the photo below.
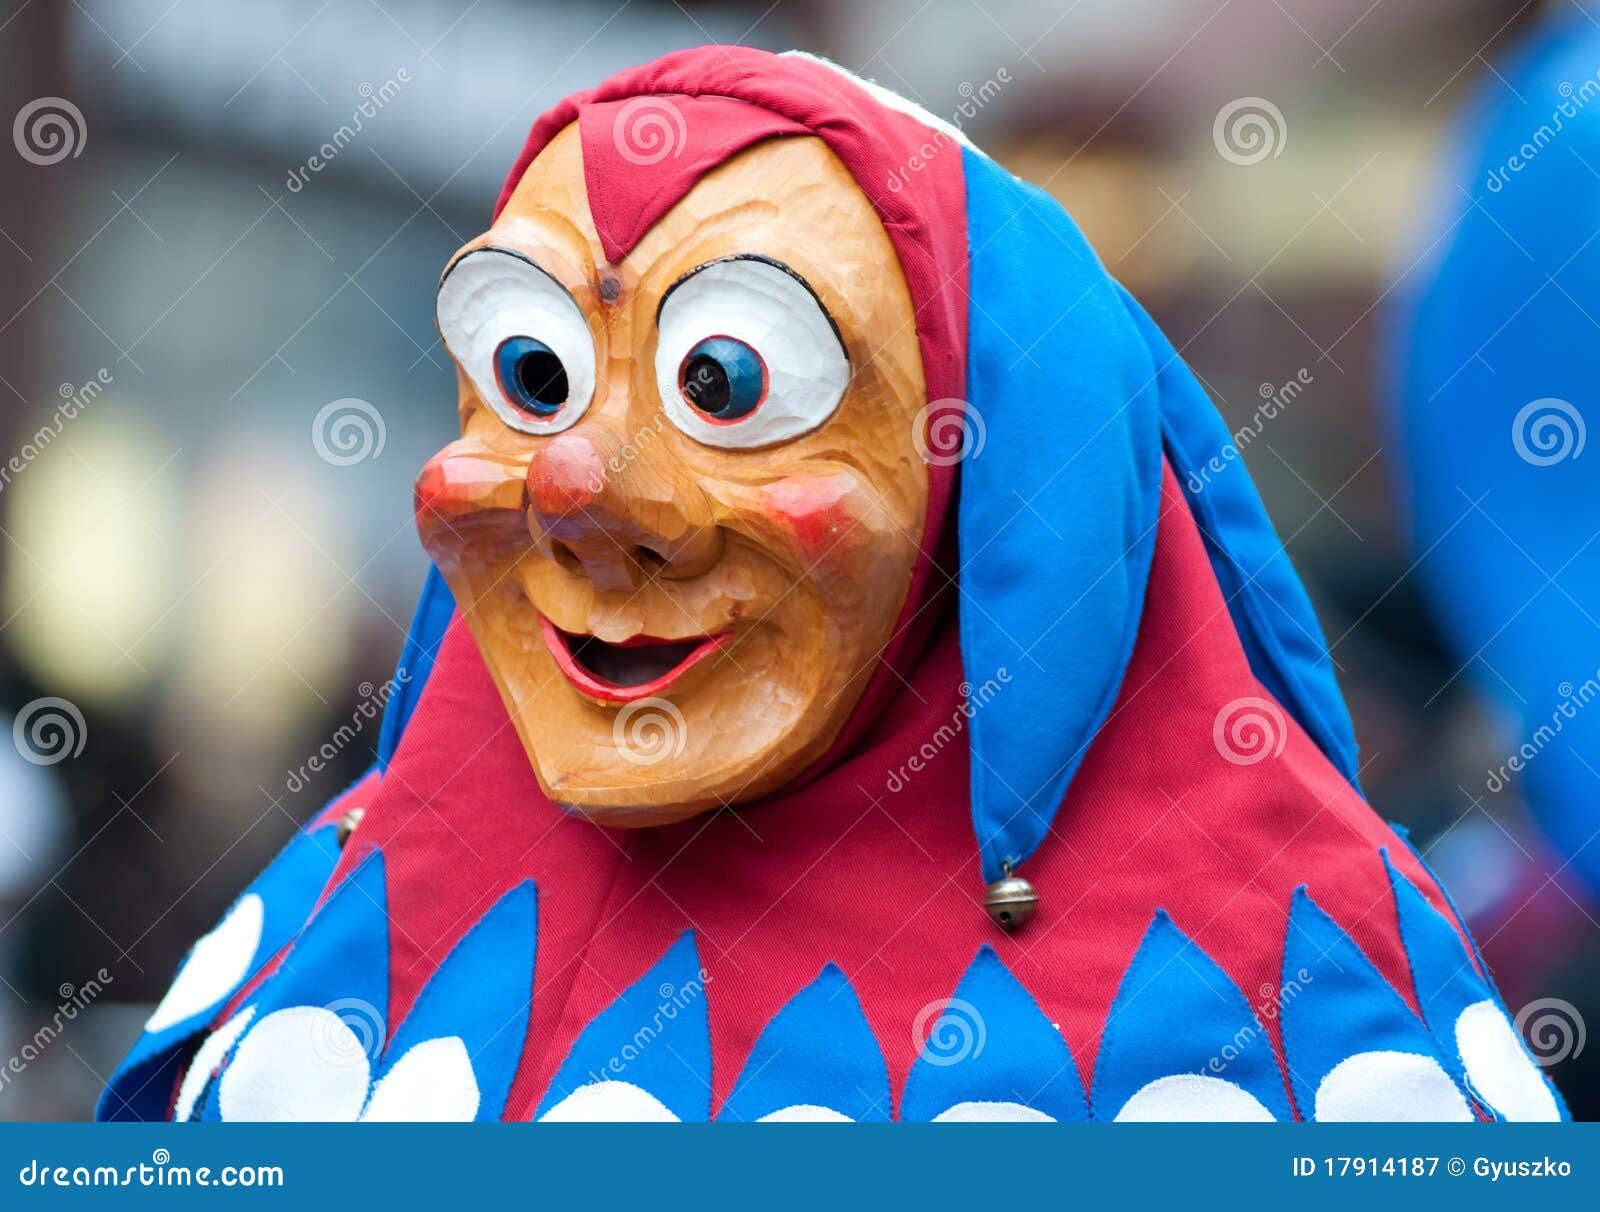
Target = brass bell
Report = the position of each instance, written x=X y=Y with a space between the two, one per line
x=1010 y=902
x=347 y=825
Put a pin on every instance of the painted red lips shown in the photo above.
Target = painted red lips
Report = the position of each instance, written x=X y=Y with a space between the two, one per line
x=634 y=669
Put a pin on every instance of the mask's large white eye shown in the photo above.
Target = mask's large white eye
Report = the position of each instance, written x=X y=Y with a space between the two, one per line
x=520 y=337
x=746 y=356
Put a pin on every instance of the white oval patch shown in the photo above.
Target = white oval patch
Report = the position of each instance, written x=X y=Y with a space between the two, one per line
x=433 y=1083
x=1390 y=1087
x=805 y=1113
x=1498 y=1067
x=609 y=1102
x=217 y=966
x=206 y=1058
x=1193 y=1098
x=992 y=1113
x=303 y=1064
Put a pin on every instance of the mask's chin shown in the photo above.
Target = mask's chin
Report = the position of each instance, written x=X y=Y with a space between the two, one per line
x=653 y=731
x=653 y=709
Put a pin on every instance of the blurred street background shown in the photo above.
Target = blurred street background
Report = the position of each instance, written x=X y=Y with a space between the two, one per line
x=193 y=563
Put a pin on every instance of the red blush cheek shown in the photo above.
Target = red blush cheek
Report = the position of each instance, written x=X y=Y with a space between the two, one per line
x=822 y=515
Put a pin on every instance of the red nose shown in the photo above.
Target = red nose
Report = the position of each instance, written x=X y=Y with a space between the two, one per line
x=613 y=517
x=566 y=476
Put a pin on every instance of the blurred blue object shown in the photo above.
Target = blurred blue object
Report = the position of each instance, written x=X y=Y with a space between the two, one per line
x=1496 y=361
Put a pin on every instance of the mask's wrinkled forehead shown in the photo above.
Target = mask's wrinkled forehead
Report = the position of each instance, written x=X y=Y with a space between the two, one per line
x=641 y=155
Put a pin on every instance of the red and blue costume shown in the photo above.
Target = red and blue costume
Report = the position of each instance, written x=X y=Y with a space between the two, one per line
x=1225 y=928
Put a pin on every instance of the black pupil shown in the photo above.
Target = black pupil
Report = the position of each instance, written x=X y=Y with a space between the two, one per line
x=705 y=382
x=542 y=376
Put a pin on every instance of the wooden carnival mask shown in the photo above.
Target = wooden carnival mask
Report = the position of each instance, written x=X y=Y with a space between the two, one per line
x=684 y=510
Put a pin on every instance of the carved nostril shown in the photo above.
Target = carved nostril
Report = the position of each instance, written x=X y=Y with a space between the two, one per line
x=566 y=557
x=651 y=561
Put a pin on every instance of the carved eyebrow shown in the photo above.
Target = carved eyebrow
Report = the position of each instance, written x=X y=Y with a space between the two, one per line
x=503 y=251
x=765 y=260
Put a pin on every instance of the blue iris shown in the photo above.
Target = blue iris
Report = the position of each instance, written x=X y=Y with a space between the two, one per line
x=723 y=378
x=531 y=375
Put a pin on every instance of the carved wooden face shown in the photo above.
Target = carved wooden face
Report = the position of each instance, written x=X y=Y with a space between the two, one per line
x=685 y=507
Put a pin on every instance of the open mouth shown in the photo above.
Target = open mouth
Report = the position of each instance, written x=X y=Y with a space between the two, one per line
x=621 y=673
